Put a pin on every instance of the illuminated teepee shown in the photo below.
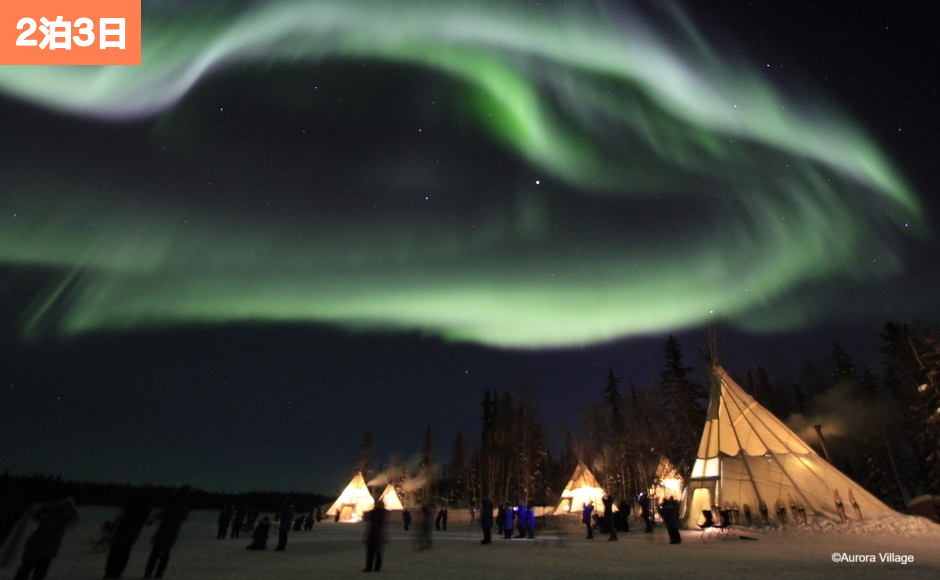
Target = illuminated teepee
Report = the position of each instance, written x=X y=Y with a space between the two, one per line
x=752 y=464
x=390 y=498
x=353 y=502
x=581 y=489
x=668 y=482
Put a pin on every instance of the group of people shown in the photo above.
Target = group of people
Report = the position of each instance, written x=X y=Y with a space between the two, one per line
x=613 y=522
x=520 y=518
x=259 y=535
x=54 y=517
x=232 y=522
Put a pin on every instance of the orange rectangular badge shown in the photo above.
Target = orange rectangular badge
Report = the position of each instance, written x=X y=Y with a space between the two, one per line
x=69 y=32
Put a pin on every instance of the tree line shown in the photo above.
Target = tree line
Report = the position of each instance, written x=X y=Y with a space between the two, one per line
x=38 y=487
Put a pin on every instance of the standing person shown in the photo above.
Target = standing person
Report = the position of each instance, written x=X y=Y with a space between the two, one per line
x=586 y=519
x=287 y=516
x=424 y=532
x=670 y=513
x=252 y=518
x=308 y=521
x=500 y=516
x=12 y=512
x=376 y=537
x=444 y=519
x=530 y=520
x=172 y=518
x=507 y=522
x=520 y=520
x=225 y=518
x=126 y=531
x=238 y=521
x=406 y=518
x=645 y=513
x=438 y=520
x=609 y=517
x=486 y=520
x=43 y=544
x=624 y=515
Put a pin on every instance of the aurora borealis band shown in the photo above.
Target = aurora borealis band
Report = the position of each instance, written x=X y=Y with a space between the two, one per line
x=482 y=172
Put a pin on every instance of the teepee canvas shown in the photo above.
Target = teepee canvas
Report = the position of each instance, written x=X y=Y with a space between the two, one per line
x=752 y=464
x=353 y=502
x=581 y=489
x=668 y=482
x=390 y=498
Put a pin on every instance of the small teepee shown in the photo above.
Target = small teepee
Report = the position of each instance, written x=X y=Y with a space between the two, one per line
x=390 y=498
x=668 y=482
x=353 y=502
x=750 y=463
x=582 y=489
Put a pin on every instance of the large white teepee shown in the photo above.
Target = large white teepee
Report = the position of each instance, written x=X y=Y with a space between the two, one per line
x=750 y=462
x=581 y=489
x=353 y=502
x=390 y=498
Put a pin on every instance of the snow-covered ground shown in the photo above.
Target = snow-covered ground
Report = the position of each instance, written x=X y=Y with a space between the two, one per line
x=334 y=550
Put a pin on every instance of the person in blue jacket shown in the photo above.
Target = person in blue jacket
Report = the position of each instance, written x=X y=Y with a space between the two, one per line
x=586 y=519
x=508 y=514
x=530 y=521
x=520 y=520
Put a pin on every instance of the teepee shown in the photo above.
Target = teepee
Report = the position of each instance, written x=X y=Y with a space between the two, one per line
x=390 y=498
x=581 y=489
x=668 y=482
x=749 y=462
x=353 y=502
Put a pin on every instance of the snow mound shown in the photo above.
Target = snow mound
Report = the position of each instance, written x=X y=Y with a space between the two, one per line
x=889 y=525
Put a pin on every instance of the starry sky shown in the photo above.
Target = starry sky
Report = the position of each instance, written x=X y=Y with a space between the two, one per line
x=297 y=221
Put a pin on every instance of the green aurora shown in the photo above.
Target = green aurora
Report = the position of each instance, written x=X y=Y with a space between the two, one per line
x=622 y=179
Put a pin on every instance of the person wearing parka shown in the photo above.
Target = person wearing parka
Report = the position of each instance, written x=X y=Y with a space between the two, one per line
x=507 y=522
x=126 y=531
x=43 y=544
x=530 y=521
x=586 y=519
x=486 y=520
x=171 y=521
x=287 y=517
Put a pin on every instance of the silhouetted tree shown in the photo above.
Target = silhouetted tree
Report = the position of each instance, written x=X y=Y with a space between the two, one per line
x=365 y=449
x=684 y=403
x=912 y=375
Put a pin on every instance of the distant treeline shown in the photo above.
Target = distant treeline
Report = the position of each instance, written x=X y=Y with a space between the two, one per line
x=39 y=487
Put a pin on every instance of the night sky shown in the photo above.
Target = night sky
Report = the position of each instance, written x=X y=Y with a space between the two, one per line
x=297 y=221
